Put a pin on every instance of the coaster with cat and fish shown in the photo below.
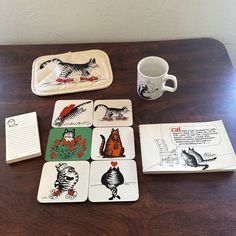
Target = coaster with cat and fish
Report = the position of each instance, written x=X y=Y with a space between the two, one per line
x=64 y=182
x=68 y=144
x=113 y=181
x=71 y=72
x=117 y=112
x=73 y=113
x=113 y=143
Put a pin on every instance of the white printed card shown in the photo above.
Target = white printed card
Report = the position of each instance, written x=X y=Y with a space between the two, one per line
x=64 y=182
x=186 y=147
x=113 y=181
x=113 y=143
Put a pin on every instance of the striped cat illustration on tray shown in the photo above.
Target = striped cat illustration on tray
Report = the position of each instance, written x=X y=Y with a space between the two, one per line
x=113 y=147
x=113 y=113
x=66 y=69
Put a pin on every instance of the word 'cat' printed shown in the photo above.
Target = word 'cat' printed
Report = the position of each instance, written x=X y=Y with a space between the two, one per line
x=195 y=136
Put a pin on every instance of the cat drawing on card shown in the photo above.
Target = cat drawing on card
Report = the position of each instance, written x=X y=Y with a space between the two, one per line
x=113 y=145
x=198 y=157
x=112 y=112
x=190 y=160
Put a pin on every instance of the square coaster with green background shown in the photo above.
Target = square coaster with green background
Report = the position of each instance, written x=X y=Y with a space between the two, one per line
x=68 y=144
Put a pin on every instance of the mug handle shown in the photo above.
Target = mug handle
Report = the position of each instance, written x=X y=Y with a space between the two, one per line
x=168 y=88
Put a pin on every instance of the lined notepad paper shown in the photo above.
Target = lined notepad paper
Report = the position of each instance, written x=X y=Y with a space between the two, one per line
x=22 y=137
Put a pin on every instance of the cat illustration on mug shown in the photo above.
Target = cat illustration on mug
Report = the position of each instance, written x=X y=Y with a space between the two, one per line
x=146 y=89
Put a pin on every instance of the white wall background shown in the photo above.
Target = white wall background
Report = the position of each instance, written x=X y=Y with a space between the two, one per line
x=75 y=21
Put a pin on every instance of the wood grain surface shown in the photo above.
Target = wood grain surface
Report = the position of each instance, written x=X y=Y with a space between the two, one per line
x=179 y=204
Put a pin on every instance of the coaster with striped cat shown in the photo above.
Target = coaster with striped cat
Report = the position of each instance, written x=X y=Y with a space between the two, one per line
x=73 y=113
x=64 y=182
x=113 y=181
x=117 y=112
x=68 y=144
x=113 y=143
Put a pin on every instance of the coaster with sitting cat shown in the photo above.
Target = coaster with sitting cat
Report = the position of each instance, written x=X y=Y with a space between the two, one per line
x=64 y=182
x=113 y=143
x=71 y=72
x=117 y=112
x=68 y=144
x=73 y=113
x=113 y=181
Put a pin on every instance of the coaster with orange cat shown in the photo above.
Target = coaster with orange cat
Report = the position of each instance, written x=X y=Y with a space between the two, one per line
x=117 y=112
x=113 y=181
x=73 y=113
x=113 y=143
x=64 y=182
x=68 y=144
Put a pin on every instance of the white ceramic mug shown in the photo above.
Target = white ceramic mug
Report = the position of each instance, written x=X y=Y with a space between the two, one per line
x=152 y=77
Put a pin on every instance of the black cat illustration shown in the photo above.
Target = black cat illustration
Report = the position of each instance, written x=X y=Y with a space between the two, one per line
x=112 y=179
x=198 y=157
x=194 y=159
x=142 y=90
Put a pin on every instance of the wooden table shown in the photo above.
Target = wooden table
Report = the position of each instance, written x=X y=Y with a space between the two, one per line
x=179 y=204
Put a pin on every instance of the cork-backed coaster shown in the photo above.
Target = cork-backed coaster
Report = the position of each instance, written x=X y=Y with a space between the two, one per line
x=64 y=182
x=73 y=113
x=113 y=181
x=68 y=144
x=112 y=143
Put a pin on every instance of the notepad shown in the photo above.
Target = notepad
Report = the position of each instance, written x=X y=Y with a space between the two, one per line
x=22 y=137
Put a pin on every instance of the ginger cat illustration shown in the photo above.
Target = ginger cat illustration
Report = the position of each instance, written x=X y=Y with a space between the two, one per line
x=113 y=147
